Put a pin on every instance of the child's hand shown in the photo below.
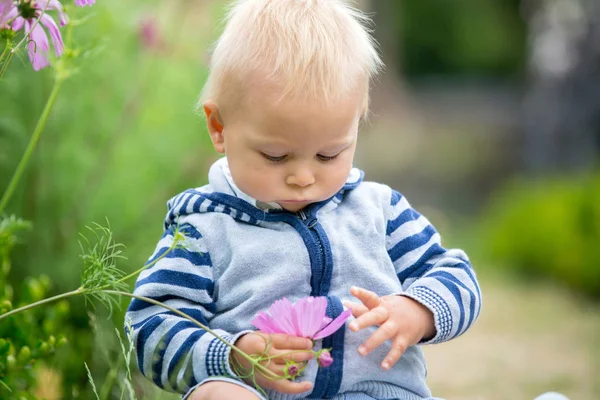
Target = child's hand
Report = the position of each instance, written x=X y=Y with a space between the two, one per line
x=276 y=345
x=401 y=319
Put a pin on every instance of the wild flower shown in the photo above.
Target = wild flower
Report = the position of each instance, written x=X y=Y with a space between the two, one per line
x=305 y=318
x=30 y=15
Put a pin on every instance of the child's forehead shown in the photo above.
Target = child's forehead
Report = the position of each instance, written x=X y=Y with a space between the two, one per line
x=256 y=87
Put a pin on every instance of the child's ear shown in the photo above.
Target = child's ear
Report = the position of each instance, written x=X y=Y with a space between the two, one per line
x=215 y=126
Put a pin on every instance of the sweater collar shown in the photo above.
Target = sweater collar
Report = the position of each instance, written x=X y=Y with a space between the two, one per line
x=223 y=195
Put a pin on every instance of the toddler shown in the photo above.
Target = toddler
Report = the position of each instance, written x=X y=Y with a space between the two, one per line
x=285 y=214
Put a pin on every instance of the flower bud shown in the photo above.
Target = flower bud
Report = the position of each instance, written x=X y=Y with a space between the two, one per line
x=324 y=359
x=291 y=370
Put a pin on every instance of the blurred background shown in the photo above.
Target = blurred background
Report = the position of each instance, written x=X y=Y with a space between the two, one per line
x=487 y=118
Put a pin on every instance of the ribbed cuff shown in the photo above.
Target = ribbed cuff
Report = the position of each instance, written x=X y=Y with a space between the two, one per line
x=442 y=315
x=217 y=356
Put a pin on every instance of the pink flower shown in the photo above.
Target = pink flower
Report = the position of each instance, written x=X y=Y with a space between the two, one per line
x=324 y=359
x=149 y=34
x=306 y=318
x=27 y=13
x=83 y=3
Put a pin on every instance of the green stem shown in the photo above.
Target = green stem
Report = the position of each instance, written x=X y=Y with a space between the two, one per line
x=5 y=65
x=80 y=290
x=200 y=325
x=41 y=302
x=6 y=49
x=32 y=142
x=108 y=383
x=145 y=266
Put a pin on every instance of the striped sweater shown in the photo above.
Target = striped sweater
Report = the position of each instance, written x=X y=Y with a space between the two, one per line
x=236 y=259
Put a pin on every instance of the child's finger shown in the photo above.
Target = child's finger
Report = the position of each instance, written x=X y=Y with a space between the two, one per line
x=285 y=386
x=385 y=332
x=376 y=316
x=368 y=298
x=281 y=356
x=356 y=308
x=392 y=357
x=277 y=369
x=283 y=341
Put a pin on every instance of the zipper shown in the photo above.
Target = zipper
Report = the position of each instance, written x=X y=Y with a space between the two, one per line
x=317 y=290
x=311 y=225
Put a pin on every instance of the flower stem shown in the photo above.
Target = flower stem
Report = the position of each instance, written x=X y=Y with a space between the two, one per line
x=5 y=64
x=80 y=290
x=6 y=50
x=32 y=142
x=206 y=328
x=145 y=266
x=41 y=302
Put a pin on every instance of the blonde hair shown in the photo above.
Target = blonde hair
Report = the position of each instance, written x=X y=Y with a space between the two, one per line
x=308 y=49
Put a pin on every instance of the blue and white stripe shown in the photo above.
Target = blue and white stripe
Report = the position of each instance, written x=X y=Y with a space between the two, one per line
x=443 y=280
x=170 y=347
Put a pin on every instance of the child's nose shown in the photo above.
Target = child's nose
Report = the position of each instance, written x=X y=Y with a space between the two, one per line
x=301 y=177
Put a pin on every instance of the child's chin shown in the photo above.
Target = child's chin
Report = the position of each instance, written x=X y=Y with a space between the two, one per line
x=293 y=206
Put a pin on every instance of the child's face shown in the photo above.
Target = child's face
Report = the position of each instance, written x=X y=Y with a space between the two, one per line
x=289 y=152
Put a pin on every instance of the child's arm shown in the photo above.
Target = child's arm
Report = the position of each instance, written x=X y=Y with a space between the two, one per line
x=441 y=297
x=440 y=279
x=172 y=351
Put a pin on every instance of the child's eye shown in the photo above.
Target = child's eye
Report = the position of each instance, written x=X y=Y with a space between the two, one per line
x=326 y=158
x=274 y=158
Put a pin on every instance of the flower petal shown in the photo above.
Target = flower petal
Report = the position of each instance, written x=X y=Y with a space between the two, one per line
x=18 y=24
x=38 y=46
x=54 y=5
x=297 y=318
x=318 y=308
x=8 y=10
x=281 y=310
x=334 y=325
x=326 y=321
x=264 y=322
x=83 y=3
x=54 y=34
x=309 y=313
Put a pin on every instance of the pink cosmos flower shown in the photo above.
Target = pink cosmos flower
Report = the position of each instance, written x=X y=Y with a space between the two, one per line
x=306 y=318
x=28 y=13
x=83 y=3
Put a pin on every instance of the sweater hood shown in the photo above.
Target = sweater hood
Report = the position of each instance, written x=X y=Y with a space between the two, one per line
x=222 y=195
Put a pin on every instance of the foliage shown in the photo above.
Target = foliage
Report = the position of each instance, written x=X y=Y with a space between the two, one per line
x=549 y=229
x=129 y=102
x=31 y=337
x=475 y=38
